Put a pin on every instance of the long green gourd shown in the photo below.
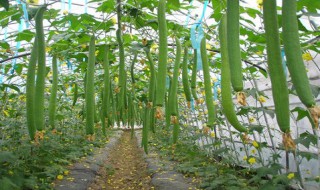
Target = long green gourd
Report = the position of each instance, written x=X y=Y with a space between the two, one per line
x=89 y=94
x=132 y=95
x=135 y=55
x=233 y=28
x=53 y=96
x=163 y=55
x=102 y=114
x=173 y=99
x=145 y=129
x=278 y=79
x=207 y=83
x=174 y=86
x=106 y=82
x=152 y=89
x=152 y=81
x=122 y=74
x=185 y=76
x=194 y=76
x=30 y=90
x=293 y=53
x=176 y=125
x=41 y=73
x=75 y=93
x=226 y=94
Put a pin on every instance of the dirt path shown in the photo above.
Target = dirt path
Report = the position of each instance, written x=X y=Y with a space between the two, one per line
x=125 y=168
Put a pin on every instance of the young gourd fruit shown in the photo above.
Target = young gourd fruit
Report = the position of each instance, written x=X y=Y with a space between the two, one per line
x=163 y=56
x=226 y=94
x=41 y=72
x=185 y=76
x=172 y=101
x=194 y=77
x=279 y=86
x=30 y=90
x=89 y=94
x=294 y=59
x=207 y=84
x=53 y=96
x=233 y=28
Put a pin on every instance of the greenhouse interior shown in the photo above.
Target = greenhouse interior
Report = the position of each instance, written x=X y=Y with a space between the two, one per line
x=156 y=94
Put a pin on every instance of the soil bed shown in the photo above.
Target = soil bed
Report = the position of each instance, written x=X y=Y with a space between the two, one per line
x=125 y=167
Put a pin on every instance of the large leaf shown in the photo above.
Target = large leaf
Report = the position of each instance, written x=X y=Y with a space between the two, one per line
x=175 y=3
x=5 y=4
x=310 y=5
x=26 y=35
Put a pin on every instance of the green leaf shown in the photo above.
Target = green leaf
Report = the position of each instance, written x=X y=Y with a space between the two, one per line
x=310 y=5
x=301 y=112
x=26 y=35
x=306 y=139
x=107 y=6
x=5 y=4
x=6 y=156
x=308 y=155
x=13 y=87
x=175 y=3
x=4 y=45
x=6 y=183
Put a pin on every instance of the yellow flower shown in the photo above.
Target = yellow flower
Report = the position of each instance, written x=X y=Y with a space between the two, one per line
x=113 y=20
x=116 y=80
x=49 y=74
x=252 y=119
x=262 y=99
x=35 y=2
x=154 y=46
x=96 y=53
x=255 y=144
x=219 y=90
x=214 y=78
x=252 y=160
x=5 y=112
x=48 y=49
x=253 y=151
x=245 y=158
x=66 y=172
x=83 y=46
x=59 y=177
x=212 y=134
x=208 y=46
x=65 y=12
x=259 y=52
x=10 y=172
x=290 y=175
x=260 y=3
x=307 y=56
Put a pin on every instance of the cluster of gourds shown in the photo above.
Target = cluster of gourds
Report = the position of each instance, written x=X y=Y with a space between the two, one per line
x=121 y=106
x=35 y=86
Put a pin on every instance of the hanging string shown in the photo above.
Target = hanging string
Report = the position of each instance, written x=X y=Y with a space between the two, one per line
x=284 y=63
x=85 y=6
x=23 y=21
x=197 y=35
x=69 y=5
x=215 y=88
x=63 y=4
x=25 y=14
x=188 y=15
x=2 y=68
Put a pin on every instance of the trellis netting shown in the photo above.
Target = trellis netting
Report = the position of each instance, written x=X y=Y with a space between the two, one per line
x=126 y=41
